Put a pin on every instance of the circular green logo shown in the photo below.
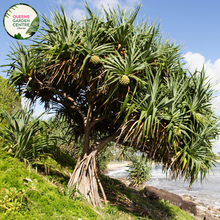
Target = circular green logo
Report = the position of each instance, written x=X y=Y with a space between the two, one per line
x=21 y=21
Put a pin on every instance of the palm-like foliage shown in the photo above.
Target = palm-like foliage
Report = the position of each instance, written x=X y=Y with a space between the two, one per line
x=123 y=23
x=23 y=64
x=139 y=171
x=174 y=117
x=129 y=61
x=22 y=135
x=163 y=111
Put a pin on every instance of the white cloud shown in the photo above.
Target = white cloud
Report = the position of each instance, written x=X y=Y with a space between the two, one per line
x=77 y=14
x=133 y=2
x=125 y=4
x=216 y=102
x=75 y=8
x=196 y=61
x=216 y=146
x=105 y=3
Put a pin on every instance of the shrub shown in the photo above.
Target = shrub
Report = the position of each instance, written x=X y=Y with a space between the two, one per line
x=139 y=171
x=24 y=136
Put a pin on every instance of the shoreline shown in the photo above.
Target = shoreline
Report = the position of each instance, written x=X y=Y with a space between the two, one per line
x=114 y=165
x=202 y=209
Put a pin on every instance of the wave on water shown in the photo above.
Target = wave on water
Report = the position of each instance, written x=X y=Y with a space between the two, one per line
x=208 y=193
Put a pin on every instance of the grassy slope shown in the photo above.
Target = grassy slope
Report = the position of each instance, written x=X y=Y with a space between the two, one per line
x=42 y=199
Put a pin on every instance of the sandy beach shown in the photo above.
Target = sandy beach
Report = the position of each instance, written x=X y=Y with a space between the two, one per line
x=113 y=165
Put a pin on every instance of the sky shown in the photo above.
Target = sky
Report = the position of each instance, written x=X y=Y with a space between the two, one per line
x=192 y=24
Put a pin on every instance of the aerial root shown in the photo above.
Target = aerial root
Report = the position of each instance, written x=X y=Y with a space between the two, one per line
x=85 y=178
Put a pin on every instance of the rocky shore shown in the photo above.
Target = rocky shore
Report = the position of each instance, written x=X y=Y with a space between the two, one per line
x=202 y=212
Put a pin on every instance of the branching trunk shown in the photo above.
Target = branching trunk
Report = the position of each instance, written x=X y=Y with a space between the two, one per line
x=86 y=179
x=85 y=174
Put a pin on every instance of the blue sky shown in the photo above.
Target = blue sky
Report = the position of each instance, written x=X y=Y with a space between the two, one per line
x=194 y=24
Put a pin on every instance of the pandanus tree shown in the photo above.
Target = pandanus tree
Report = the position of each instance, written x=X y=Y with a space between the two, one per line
x=113 y=76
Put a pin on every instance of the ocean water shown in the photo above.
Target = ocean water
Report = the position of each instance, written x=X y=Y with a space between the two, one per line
x=208 y=193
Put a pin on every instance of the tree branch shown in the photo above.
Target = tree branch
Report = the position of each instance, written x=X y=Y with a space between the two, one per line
x=103 y=141
x=100 y=119
x=67 y=104
x=64 y=95
x=70 y=99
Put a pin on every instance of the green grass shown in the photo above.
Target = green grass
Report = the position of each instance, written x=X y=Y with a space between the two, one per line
x=43 y=200
x=44 y=197
x=138 y=204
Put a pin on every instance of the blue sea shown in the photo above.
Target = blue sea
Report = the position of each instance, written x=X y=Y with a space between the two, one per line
x=208 y=193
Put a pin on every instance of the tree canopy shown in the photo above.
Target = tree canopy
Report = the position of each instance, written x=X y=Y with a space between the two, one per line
x=112 y=75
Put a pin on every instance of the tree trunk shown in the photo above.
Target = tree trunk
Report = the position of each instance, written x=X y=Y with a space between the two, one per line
x=85 y=175
x=86 y=180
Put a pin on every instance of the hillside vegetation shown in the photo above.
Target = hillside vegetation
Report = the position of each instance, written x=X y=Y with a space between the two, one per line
x=25 y=194
x=9 y=99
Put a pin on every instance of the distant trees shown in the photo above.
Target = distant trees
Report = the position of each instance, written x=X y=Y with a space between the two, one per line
x=9 y=99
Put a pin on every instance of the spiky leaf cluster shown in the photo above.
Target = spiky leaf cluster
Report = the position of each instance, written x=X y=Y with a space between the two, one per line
x=139 y=171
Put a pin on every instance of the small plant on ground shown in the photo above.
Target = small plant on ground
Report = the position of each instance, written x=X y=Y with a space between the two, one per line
x=10 y=200
x=139 y=171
